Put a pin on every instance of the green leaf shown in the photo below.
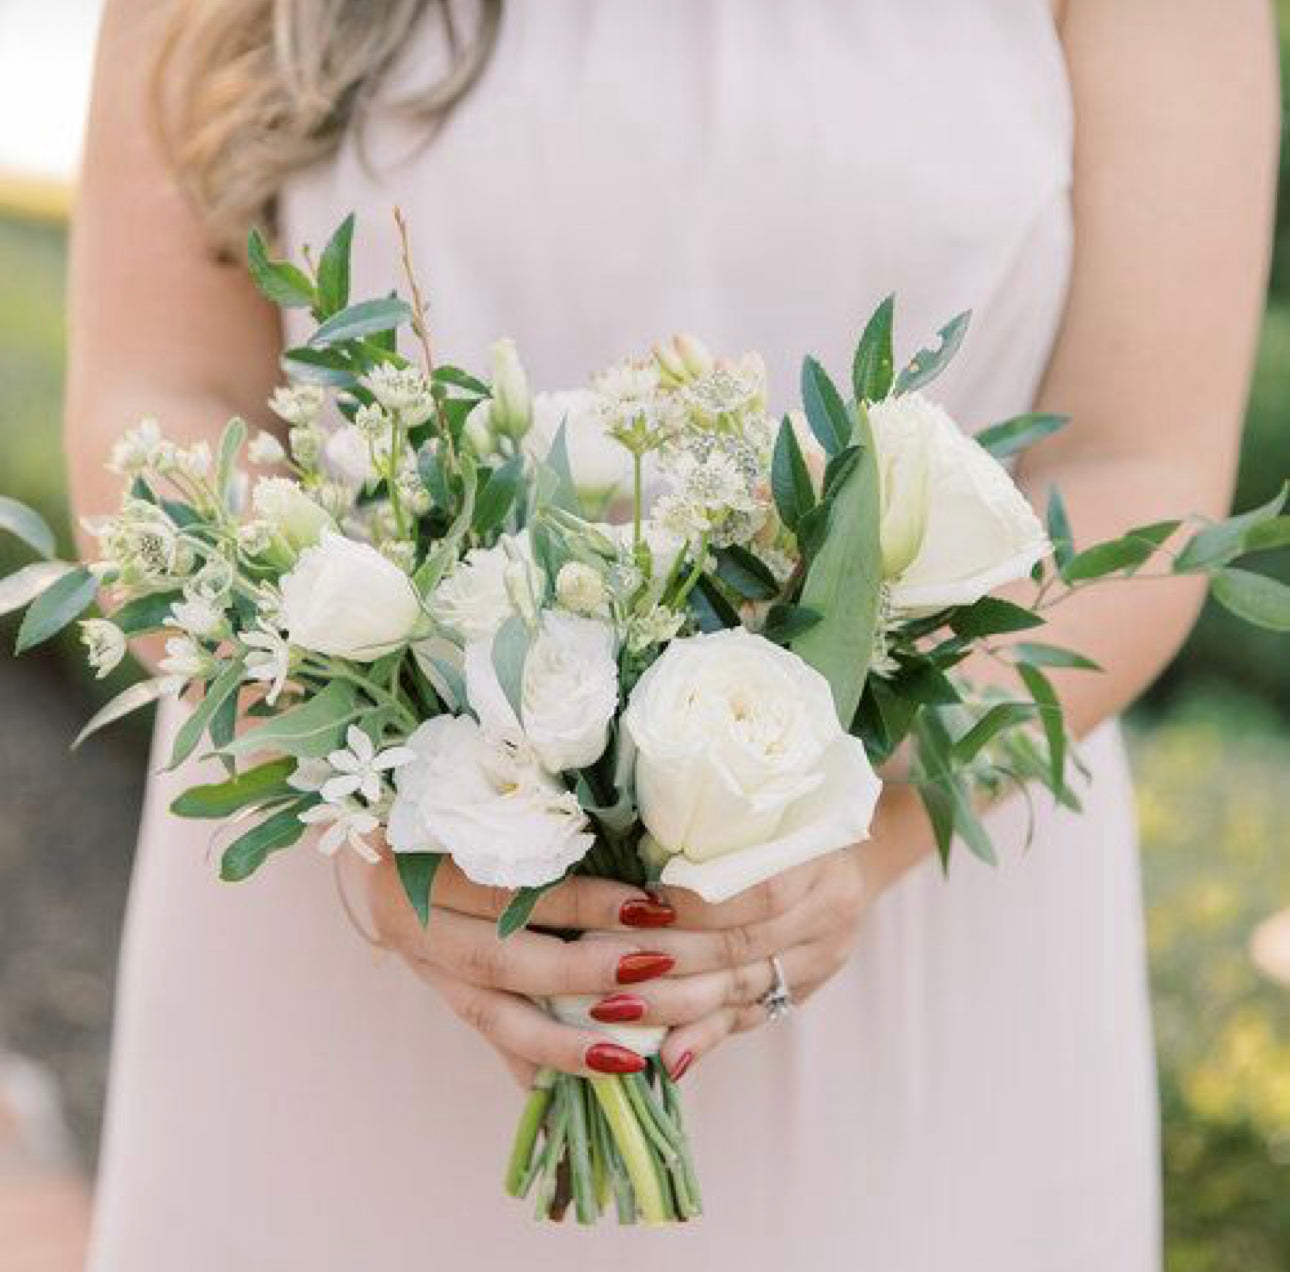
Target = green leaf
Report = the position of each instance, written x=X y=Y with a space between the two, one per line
x=497 y=495
x=813 y=530
x=1126 y=553
x=1040 y=655
x=318 y=366
x=1059 y=530
x=1016 y=434
x=927 y=364
x=333 y=270
x=510 y=649
x=521 y=908
x=1050 y=715
x=1267 y=535
x=741 y=570
x=128 y=700
x=146 y=613
x=712 y=612
x=217 y=800
x=1218 y=544
x=25 y=585
x=65 y=599
x=416 y=873
x=28 y=525
x=784 y=622
x=837 y=469
x=873 y=367
x=565 y=494
x=826 y=413
x=1254 y=597
x=279 y=281
x=190 y=733
x=1001 y=716
x=363 y=319
x=950 y=809
x=990 y=616
x=246 y=854
x=460 y=379
x=230 y=444
x=843 y=583
x=790 y=479
x=306 y=731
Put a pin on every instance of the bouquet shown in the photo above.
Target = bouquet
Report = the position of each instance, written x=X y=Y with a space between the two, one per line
x=637 y=630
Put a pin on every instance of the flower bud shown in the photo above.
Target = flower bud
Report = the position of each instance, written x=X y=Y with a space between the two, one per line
x=265 y=449
x=306 y=445
x=296 y=518
x=512 y=410
x=580 y=588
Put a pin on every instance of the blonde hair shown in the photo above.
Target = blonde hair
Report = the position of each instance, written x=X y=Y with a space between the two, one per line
x=249 y=91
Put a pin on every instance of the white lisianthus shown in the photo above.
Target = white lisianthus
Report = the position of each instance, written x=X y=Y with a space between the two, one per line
x=505 y=822
x=954 y=525
x=297 y=518
x=345 y=599
x=568 y=691
x=347 y=456
x=742 y=769
x=479 y=595
x=512 y=410
x=600 y=465
x=105 y=645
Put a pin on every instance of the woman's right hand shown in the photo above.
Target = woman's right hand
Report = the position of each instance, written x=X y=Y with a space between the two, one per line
x=490 y=983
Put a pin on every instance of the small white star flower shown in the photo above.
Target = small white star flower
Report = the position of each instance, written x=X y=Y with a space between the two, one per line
x=346 y=823
x=268 y=659
x=186 y=658
x=360 y=765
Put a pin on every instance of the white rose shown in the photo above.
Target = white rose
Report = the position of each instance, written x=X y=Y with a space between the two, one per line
x=568 y=691
x=285 y=506
x=476 y=598
x=345 y=599
x=505 y=822
x=954 y=525
x=599 y=465
x=742 y=769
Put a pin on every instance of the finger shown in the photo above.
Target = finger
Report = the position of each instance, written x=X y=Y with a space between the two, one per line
x=579 y=903
x=765 y=901
x=688 y=1044
x=517 y=1027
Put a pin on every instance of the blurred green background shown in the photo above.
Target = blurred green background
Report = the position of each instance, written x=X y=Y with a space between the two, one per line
x=1212 y=754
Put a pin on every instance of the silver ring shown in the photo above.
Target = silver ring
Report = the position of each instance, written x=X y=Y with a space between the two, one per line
x=778 y=999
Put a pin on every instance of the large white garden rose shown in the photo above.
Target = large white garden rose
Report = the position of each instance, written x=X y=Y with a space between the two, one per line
x=954 y=525
x=742 y=769
x=505 y=822
x=479 y=595
x=568 y=692
x=345 y=599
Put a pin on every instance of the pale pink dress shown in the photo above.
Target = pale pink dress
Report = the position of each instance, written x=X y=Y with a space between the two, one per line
x=975 y=1090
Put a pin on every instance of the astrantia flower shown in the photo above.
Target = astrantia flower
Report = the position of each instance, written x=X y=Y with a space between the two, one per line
x=402 y=390
x=347 y=823
x=200 y=618
x=104 y=643
x=359 y=766
x=135 y=451
x=298 y=404
x=264 y=448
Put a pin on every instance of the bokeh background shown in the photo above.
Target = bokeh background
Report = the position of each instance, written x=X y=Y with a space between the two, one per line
x=1211 y=747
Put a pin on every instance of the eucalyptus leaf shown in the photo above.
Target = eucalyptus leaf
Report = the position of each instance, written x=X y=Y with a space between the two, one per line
x=927 y=364
x=309 y=730
x=557 y=460
x=790 y=479
x=520 y=910
x=873 y=366
x=1059 y=530
x=510 y=649
x=1020 y=432
x=28 y=525
x=65 y=599
x=281 y=282
x=1254 y=597
x=1127 y=553
x=25 y=585
x=363 y=319
x=147 y=613
x=740 y=570
x=1267 y=535
x=1041 y=655
x=999 y=718
x=991 y=616
x=128 y=700
x=333 y=270
x=217 y=800
x=416 y=873
x=1051 y=717
x=191 y=732
x=248 y=852
x=1218 y=544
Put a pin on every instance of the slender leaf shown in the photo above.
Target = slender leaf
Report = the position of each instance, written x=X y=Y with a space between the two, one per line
x=128 y=700
x=25 y=585
x=248 y=852
x=1051 y=717
x=497 y=495
x=1020 y=432
x=333 y=270
x=460 y=379
x=327 y=367
x=1254 y=597
x=790 y=479
x=191 y=732
x=146 y=613
x=826 y=413
x=951 y=810
x=309 y=730
x=741 y=570
x=1127 y=553
x=416 y=873
x=28 y=525
x=1059 y=530
x=280 y=281
x=1040 y=655
x=1000 y=717
x=230 y=444
x=712 y=612
x=1267 y=535
x=521 y=908
x=216 y=800
x=1218 y=544
x=363 y=319
x=565 y=494
x=65 y=599
x=990 y=616
x=785 y=622
x=874 y=365
x=510 y=649
x=927 y=364
x=837 y=469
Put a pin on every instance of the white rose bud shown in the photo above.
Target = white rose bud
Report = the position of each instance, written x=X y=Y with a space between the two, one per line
x=954 y=525
x=345 y=599
x=104 y=643
x=580 y=588
x=512 y=411
x=742 y=768
x=296 y=518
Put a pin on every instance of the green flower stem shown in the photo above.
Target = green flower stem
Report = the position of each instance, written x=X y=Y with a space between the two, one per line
x=549 y=1164
x=672 y=1102
x=374 y=691
x=647 y=1121
x=584 y=1192
x=696 y=573
x=637 y=498
x=634 y=1148
x=519 y=1176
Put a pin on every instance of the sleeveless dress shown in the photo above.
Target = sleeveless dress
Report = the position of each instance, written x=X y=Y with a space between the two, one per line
x=975 y=1089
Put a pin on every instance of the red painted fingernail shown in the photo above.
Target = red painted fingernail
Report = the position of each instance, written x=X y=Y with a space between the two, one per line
x=646 y=912
x=643 y=966
x=684 y=1061
x=618 y=1009
x=609 y=1057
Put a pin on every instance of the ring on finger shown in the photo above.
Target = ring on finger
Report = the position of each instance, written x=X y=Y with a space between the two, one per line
x=777 y=1001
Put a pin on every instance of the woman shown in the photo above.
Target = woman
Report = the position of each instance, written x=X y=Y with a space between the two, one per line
x=972 y=1085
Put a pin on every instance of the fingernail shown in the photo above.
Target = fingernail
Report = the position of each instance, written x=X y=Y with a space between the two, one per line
x=646 y=912
x=643 y=966
x=609 y=1057
x=683 y=1062
x=618 y=1009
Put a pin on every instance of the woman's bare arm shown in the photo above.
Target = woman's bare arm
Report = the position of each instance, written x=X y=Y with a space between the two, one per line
x=1177 y=123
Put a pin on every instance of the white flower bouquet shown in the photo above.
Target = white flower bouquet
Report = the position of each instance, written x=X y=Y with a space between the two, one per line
x=420 y=631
